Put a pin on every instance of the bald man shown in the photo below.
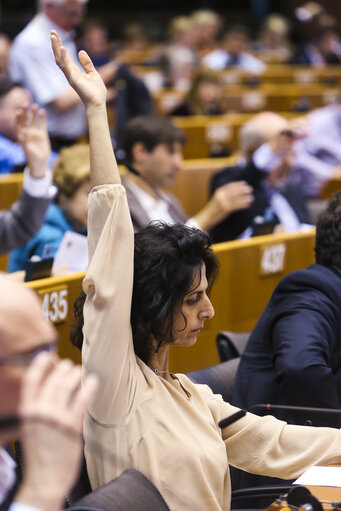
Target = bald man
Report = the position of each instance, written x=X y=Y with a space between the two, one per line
x=42 y=402
x=266 y=144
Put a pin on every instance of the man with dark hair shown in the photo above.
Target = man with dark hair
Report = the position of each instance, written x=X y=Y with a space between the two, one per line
x=293 y=356
x=153 y=149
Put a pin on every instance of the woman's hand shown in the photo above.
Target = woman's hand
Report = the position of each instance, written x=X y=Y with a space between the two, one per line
x=89 y=85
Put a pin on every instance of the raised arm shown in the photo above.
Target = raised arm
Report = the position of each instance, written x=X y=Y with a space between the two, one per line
x=107 y=347
x=91 y=89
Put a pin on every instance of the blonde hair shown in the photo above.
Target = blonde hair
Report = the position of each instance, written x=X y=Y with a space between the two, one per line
x=178 y=25
x=72 y=168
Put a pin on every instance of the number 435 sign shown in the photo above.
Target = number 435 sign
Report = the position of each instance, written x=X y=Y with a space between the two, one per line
x=55 y=304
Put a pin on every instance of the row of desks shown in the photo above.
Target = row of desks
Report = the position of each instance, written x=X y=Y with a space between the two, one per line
x=274 y=74
x=249 y=271
x=274 y=97
x=191 y=185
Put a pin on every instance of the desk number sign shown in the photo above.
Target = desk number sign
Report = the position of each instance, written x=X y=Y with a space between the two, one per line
x=55 y=304
x=272 y=259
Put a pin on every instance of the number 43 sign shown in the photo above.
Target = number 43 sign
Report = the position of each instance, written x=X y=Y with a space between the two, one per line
x=55 y=305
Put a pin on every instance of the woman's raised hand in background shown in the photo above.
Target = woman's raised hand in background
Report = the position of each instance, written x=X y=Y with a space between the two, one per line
x=89 y=85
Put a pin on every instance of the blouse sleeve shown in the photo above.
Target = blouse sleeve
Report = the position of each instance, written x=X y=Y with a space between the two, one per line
x=267 y=446
x=107 y=347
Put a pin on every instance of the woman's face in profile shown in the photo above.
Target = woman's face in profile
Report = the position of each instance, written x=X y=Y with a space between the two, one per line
x=196 y=307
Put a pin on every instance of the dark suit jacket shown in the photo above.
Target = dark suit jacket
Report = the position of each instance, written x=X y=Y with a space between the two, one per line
x=293 y=356
x=237 y=222
x=22 y=221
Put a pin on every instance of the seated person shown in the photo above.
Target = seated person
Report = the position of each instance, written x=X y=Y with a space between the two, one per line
x=274 y=43
x=178 y=58
x=275 y=198
x=205 y=97
x=207 y=24
x=68 y=211
x=293 y=356
x=320 y=51
x=233 y=52
x=153 y=157
x=12 y=98
x=318 y=155
x=26 y=216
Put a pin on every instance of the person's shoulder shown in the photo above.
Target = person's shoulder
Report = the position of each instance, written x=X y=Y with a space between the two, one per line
x=32 y=36
x=225 y=175
x=316 y=278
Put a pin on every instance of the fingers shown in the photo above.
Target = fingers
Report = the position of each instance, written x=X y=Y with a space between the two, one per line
x=57 y=46
x=34 y=378
x=86 y=61
x=41 y=119
x=52 y=393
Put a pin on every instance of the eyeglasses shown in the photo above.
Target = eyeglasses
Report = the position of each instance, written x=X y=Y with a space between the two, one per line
x=26 y=358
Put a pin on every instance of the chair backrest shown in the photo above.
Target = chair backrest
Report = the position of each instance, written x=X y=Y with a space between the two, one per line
x=220 y=378
x=131 y=490
x=231 y=344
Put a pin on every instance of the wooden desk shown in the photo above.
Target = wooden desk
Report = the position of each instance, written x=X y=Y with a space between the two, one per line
x=58 y=295
x=207 y=134
x=249 y=271
x=285 y=74
x=279 y=98
x=332 y=186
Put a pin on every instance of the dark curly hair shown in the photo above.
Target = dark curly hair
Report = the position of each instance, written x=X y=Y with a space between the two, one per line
x=167 y=264
x=328 y=234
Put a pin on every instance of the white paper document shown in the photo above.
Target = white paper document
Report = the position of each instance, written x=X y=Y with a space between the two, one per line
x=321 y=476
x=72 y=255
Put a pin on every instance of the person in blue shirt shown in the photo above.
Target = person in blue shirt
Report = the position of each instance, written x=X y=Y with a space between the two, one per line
x=68 y=212
x=12 y=98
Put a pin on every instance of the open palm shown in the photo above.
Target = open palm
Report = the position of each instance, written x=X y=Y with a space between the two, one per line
x=89 y=85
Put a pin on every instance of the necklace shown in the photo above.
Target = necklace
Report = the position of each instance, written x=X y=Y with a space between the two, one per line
x=157 y=371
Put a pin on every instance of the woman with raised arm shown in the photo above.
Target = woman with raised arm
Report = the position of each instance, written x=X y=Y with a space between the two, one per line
x=140 y=301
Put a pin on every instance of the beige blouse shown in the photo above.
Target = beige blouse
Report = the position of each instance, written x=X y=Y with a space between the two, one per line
x=167 y=430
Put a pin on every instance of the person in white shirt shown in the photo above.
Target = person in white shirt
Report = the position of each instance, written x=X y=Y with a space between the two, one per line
x=32 y=65
x=153 y=157
x=232 y=52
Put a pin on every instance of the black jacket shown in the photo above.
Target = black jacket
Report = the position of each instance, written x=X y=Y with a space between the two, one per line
x=236 y=223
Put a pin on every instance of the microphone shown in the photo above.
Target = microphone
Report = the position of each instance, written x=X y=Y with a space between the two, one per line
x=301 y=497
x=269 y=407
